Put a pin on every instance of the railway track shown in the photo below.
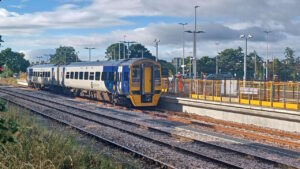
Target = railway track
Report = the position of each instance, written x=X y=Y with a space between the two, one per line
x=151 y=134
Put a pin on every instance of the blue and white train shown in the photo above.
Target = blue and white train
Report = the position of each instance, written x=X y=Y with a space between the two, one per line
x=136 y=81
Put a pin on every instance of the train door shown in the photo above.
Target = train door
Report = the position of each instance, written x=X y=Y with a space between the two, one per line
x=63 y=76
x=52 y=76
x=125 y=80
x=146 y=83
x=29 y=75
x=147 y=80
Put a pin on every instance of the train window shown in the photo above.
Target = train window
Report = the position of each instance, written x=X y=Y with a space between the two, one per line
x=43 y=74
x=157 y=79
x=136 y=72
x=111 y=76
x=136 y=76
x=126 y=76
x=76 y=75
x=86 y=75
x=157 y=73
x=80 y=75
x=72 y=75
x=104 y=76
x=97 y=77
x=92 y=75
x=67 y=75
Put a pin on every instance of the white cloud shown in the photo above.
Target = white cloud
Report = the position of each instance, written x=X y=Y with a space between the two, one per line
x=222 y=21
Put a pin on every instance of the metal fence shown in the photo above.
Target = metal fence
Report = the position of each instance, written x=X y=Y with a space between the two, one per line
x=284 y=95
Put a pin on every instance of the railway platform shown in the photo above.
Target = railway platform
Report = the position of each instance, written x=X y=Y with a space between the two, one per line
x=265 y=104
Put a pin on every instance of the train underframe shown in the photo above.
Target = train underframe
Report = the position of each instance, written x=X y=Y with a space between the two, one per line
x=92 y=94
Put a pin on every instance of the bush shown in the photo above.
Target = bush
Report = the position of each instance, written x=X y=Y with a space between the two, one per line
x=31 y=144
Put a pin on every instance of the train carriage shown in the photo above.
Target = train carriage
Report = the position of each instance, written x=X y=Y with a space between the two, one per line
x=136 y=81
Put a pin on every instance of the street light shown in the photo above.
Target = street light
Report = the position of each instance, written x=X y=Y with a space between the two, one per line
x=194 y=52
x=267 y=72
x=245 y=55
x=156 y=41
x=142 y=51
x=90 y=51
x=217 y=66
x=183 y=24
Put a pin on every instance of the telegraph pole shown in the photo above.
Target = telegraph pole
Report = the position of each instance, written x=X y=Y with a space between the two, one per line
x=90 y=51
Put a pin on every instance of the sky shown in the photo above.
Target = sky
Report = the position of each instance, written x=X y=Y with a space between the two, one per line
x=37 y=27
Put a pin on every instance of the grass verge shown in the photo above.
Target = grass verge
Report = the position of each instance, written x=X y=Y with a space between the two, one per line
x=38 y=145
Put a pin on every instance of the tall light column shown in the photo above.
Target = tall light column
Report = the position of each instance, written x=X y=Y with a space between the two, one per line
x=156 y=41
x=195 y=46
x=119 y=50
x=245 y=56
x=267 y=71
x=217 y=66
x=183 y=24
x=124 y=52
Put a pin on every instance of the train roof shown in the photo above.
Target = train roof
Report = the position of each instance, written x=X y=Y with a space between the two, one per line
x=43 y=66
x=122 y=62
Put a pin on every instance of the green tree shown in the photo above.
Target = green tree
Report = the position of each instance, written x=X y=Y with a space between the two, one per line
x=14 y=61
x=231 y=60
x=112 y=52
x=167 y=68
x=135 y=51
x=139 y=50
x=206 y=65
x=64 y=55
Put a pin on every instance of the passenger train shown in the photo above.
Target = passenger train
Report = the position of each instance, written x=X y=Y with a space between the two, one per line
x=133 y=81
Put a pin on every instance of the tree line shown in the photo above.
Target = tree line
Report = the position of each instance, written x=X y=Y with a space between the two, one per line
x=229 y=61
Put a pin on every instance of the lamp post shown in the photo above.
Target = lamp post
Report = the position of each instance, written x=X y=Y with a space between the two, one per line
x=194 y=53
x=142 y=51
x=267 y=71
x=217 y=66
x=183 y=24
x=245 y=56
x=156 y=41
x=119 y=50
x=90 y=51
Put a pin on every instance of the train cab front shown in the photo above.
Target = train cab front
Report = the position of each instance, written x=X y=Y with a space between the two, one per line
x=145 y=83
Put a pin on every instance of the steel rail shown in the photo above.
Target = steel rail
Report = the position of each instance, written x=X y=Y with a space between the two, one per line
x=182 y=150
x=157 y=130
x=102 y=139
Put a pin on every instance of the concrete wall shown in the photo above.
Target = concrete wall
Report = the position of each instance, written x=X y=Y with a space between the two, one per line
x=270 y=118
